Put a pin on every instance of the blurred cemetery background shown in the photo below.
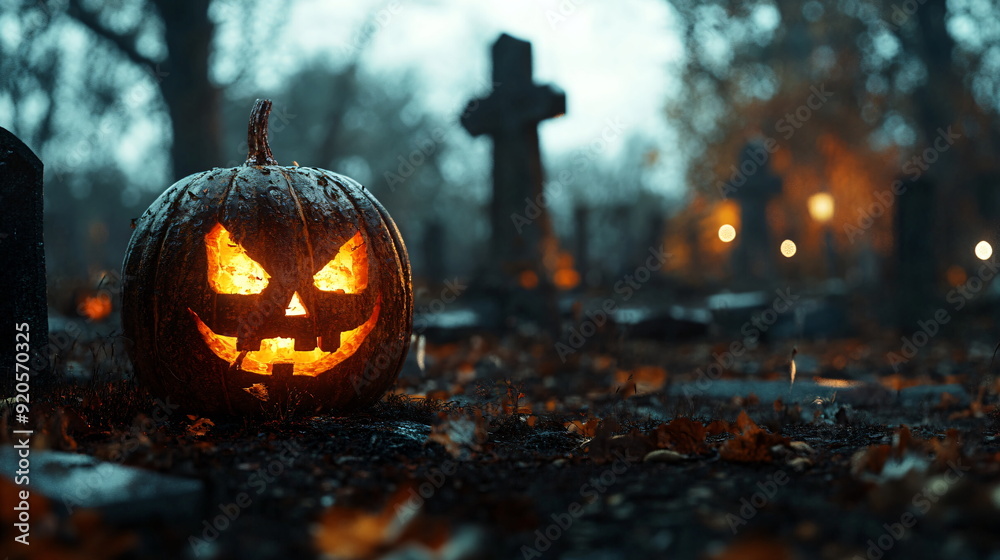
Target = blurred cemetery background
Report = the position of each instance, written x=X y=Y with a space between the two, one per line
x=759 y=143
x=619 y=214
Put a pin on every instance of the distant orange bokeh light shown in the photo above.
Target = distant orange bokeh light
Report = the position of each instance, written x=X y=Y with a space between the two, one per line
x=566 y=278
x=528 y=279
x=95 y=307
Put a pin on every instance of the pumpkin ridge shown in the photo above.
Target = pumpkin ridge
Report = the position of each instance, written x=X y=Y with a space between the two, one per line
x=174 y=205
x=218 y=217
x=403 y=262
x=302 y=216
x=305 y=231
x=346 y=191
x=349 y=187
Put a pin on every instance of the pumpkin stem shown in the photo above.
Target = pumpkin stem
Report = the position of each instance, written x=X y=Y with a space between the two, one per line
x=260 y=151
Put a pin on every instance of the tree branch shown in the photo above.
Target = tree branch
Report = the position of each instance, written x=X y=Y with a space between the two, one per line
x=124 y=43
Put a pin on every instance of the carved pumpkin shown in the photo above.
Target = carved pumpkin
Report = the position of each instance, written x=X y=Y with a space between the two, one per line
x=267 y=284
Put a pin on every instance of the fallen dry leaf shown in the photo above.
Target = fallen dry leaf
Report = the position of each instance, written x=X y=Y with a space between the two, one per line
x=643 y=379
x=199 y=426
x=606 y=446
x=586 y=429
x=752 y=444
x=682 y=435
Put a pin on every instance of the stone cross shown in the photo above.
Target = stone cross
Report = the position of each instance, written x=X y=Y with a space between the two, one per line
x=510 y=115
x=756 y=186
x=23 y=306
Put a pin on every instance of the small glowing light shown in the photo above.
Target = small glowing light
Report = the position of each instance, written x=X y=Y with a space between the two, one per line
x=984 y=250
x=788 y=248
x=820 y=207
x=96 y=307
x=727 y=233
x=566 y=278
x=528 y=279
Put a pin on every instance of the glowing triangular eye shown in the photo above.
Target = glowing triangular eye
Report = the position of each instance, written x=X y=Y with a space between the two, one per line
x=295 y=307
x=348 y=271
x=230 y=268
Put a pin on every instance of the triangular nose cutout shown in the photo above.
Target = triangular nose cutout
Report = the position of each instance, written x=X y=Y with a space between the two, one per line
x=295 y=307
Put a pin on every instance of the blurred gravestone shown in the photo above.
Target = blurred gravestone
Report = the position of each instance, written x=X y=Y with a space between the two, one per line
x=433 y=251
x=752 y=259
x=23 y=308
x=622 y=220
x=581 y=239
x=913 y=282
x=656 y=234
x=521 y=229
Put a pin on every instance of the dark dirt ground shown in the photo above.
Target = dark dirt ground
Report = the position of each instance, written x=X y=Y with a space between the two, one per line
x=518 y=455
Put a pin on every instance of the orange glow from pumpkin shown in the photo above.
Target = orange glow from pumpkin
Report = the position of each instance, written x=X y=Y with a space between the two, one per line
x=348 y=271
x=232 y=271
x=95 y=307
x=230 y=268
x=296 y=307
x=282 y=350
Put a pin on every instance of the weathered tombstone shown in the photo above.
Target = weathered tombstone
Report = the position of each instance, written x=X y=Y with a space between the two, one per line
x=581 y=238
x=753 y=258
x=23 y=309
x=622 y=220
x=434 y=242
x=521 y=228
x=656 y=232
x=913 y=281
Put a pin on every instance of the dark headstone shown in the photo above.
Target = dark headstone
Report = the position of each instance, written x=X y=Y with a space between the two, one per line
x=434 y=245
x=24 y=309
x=621 y=220
x=753 y=260
x=656 y=233
x=914 y=282
x=520 y=239
x=581 y=240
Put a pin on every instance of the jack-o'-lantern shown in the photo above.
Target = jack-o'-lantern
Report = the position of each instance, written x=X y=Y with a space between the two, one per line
x=263 y=284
